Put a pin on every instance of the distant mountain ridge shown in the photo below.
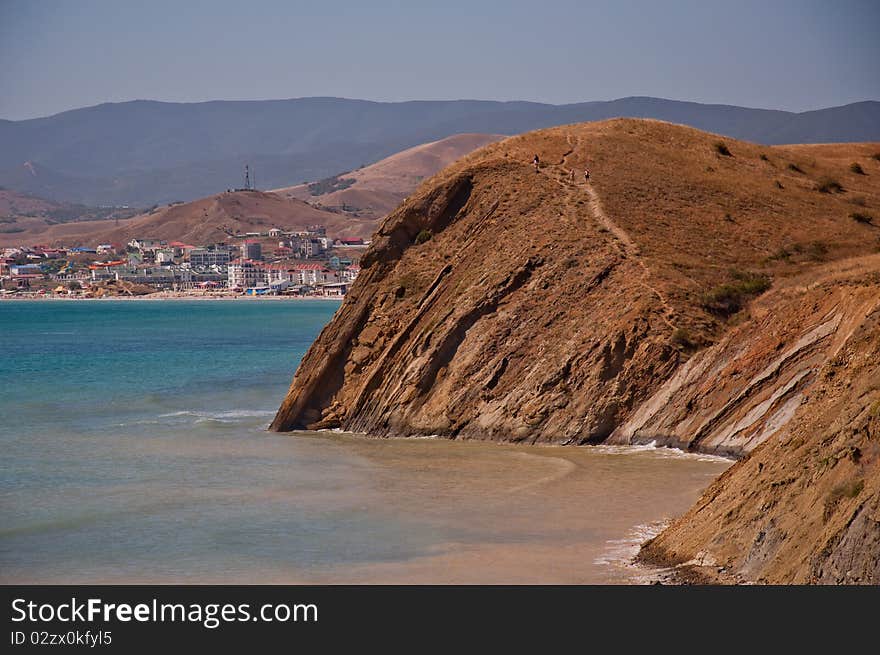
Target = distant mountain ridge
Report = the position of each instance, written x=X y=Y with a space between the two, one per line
x=144 y=152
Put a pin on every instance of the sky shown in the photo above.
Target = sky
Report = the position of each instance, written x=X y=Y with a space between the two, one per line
x=782 y=54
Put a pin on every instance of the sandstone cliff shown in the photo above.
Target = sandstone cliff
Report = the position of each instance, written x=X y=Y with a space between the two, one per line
x=500 y=302
x=804 y=507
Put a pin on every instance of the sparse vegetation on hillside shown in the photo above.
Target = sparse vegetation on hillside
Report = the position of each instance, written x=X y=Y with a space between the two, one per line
x=330 y=184
x=844 y=490
x=829 y=185
x=778 y=184
x=815 y=250
x=856 y=168
x=423 y=236
x=781 y=255
x=859 y=217
x=764 y=157
x=876 y=156
x=722 y=149
x=728 y=299
x=681 y=338
x=795 y=168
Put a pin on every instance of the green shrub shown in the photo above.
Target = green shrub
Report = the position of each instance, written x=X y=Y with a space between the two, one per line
x=423 y=236
x=859 y=217
x=847 y=490
x=728 y=299
x=816 y=250
x=829 y=185
x=764 y=157
x=782 y=255
x=795 y=168
x=844 y=490
x=681 y=338
x=721 y=149
x=856 y=168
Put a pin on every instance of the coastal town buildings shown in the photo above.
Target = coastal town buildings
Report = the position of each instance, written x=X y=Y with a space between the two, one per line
x=302 y=263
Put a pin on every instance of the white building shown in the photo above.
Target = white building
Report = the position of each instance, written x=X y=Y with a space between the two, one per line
x=245 y=274
x=147 y=244
x=164 y=256
x=310 y=274
x=276 y=273
x=351 y=273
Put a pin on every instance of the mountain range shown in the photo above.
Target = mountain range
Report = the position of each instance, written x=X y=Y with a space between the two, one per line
x=348 y=205
x=146 y=152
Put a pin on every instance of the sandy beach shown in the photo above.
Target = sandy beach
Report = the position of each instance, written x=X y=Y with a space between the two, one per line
x=172 y=295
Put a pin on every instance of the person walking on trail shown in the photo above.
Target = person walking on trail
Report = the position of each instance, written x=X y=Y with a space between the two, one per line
x=536 y=161
x=586 y=175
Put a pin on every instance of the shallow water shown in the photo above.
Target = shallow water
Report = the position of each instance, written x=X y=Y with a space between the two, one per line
x=134 y=450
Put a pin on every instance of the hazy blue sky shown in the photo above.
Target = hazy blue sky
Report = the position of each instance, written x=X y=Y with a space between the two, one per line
x=785 y=54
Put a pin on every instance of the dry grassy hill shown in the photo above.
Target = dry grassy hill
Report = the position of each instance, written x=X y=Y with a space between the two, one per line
x=22 y=215
x=375 y=190
x=503 y=303
x=207 y=220
x=13 y=203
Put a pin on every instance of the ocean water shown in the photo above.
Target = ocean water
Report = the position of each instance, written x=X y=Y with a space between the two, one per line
x=134 y=449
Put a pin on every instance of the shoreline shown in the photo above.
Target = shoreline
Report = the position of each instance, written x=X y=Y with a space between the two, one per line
x=175 y=296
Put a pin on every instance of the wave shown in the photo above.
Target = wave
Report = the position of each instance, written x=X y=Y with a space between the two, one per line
x=661 y=451
x=621 y=553
x=190 y=416
x=230 y=414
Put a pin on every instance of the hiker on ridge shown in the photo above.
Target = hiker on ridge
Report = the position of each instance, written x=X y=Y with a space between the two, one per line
x=536 y=161
x=586 y=175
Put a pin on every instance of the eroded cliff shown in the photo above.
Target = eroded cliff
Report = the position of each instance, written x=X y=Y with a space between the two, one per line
x=504 y=303
x=803 y=507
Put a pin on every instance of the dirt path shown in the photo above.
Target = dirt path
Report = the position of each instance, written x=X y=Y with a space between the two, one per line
x=627 y=246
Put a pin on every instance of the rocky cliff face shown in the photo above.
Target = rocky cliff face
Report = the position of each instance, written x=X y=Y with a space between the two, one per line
x=733 y=395
x=804 y=507
x=501 y=302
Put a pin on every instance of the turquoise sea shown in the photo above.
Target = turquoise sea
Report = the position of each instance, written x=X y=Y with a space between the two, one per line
x=134 y=449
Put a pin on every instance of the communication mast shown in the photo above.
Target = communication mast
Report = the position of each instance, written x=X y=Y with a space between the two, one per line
x=247 y=178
